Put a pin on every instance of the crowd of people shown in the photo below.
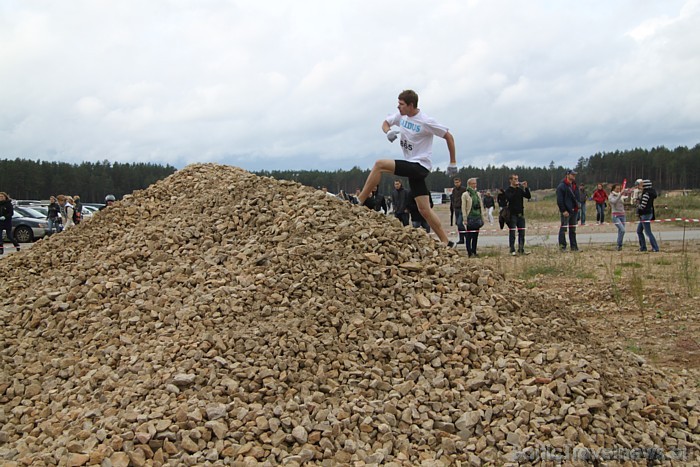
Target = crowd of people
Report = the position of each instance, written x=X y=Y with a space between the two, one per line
x=62 y=212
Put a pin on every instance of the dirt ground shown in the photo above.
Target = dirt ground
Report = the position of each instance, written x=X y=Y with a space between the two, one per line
x=647 y=302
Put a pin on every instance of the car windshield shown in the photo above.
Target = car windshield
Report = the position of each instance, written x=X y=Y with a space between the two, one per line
x=22 y=211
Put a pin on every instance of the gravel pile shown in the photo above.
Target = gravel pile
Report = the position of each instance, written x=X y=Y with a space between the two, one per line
x=222 y=318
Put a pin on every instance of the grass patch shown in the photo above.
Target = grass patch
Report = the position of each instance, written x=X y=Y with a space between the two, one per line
x=541 y=270
x=632 y=346
x=630 y=265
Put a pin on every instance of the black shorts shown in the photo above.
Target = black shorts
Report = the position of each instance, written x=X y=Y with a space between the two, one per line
x=416 y=175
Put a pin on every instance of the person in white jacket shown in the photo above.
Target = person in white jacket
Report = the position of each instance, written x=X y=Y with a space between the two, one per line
x=66 y=203
x=617 y=207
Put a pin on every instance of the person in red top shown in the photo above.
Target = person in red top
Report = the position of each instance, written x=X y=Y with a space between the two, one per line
x=600 y=197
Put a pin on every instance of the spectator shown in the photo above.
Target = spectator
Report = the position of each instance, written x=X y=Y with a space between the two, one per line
x=53 y=216
x=109 y=200
x=472 y=210
x=617 y=208
x=514 y=196
x=376 y=201
x=6 y=213
x=66 y=203
x=400 y=202
x=503 y=213
x=456 y=202
x=583 y=196
x=568 y=202
x=646 y=215
x=415 y=133
x=417 y=220
x=489 y=204
x=77 y=209
x=600 y=197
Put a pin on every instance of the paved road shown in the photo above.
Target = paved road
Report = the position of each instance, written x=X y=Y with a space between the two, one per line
x=583 y=237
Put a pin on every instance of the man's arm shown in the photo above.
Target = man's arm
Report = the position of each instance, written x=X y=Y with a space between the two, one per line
x=450 y=147
x=385 y=126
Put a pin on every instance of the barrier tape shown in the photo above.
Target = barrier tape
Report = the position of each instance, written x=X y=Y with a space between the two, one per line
x=566 y=226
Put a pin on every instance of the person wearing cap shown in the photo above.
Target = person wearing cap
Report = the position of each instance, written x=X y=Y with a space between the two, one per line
x=646 y=215
x=568 y=203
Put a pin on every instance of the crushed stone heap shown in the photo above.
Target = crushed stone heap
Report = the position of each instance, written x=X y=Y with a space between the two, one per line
x=221 y=318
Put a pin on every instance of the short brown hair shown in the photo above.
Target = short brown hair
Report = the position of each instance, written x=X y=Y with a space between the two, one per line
x=409 y=97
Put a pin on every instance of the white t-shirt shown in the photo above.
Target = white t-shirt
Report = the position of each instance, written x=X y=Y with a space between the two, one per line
x=417 y=136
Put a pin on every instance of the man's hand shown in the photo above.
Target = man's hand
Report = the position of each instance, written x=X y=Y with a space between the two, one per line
x=452 y=169
x=565 y=213
x=391 y=135
x=524 y=184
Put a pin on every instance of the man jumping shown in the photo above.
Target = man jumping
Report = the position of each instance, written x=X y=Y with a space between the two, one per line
x=416 y=130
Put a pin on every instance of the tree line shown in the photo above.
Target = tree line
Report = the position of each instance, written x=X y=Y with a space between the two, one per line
x=668 y=169
x=28 y=179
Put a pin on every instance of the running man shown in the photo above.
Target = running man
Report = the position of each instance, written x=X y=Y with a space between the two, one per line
x=416 y=131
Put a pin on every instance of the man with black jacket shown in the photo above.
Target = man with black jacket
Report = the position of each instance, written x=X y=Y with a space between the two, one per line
x=456 y=202
x=400 y=201
x=514 y=196
x=646 y=215
x=568 y=203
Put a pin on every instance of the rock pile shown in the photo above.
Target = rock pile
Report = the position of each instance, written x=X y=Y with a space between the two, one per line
x=222 y=318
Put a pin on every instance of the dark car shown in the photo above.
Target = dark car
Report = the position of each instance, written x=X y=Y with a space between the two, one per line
x=28 y=225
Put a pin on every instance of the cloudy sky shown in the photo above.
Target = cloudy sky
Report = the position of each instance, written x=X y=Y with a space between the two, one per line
x=306 y=84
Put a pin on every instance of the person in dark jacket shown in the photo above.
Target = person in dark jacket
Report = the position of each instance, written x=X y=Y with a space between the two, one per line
x=6 y=213
x=400 y=202
x=53 y=216
x=646 y=215
x=417 y=220
x=376 y=201
x=568 y=203
x=514 y=196
x=456 y=202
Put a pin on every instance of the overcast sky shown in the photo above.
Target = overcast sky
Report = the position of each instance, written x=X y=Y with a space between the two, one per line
x=306 y=84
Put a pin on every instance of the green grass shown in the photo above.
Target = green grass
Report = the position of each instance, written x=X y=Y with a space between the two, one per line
x=632 y=346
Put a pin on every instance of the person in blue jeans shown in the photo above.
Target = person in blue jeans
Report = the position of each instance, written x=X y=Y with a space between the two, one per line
x=568 y=204
x=617 y=208
x=513 y=196
x=646 y=215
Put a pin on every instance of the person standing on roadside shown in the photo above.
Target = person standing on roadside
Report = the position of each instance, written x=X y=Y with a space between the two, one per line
x=415 y=133
x=600 y=197
x=646 y=215
x=399 y=198
x=473 y=212
x=568 y=202
x=53 y=216
x=617 y=208
x=489 y=205
x=583 y=196
x=6 y=213
x=514 y=196
x=456 y=202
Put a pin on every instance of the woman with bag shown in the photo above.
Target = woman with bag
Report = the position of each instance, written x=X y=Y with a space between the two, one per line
x=473 y=211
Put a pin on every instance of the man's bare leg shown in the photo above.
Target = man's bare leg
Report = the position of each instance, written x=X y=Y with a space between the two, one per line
x=375 y=176
x=429 y=215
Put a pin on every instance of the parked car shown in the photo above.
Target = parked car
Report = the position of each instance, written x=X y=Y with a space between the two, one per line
x=28 y=225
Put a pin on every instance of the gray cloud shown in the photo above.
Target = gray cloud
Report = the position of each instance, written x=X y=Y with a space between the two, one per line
x=280 y=85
